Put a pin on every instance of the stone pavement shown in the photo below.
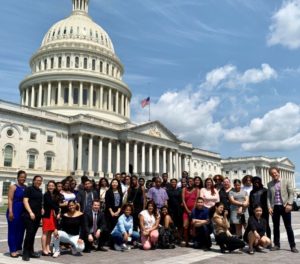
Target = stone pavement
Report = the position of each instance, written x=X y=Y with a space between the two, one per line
x=176 y=256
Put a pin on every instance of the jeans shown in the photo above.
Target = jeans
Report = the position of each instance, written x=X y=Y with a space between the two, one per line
x=68 y=239
x=31 y=227
x=202 y=236
x=119 y=240
x=278 y=211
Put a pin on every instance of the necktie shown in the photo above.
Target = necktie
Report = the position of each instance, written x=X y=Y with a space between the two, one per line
x=95 y=223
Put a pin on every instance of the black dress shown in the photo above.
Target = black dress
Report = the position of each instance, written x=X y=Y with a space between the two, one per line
x=113 y=201
x=136 y=198
x=254 y=224
x=175 y=206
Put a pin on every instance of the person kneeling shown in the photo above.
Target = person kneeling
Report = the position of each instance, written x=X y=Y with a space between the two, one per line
x=200 y=225
x=222 y=234
x=166 y=230
x=71 y=230
x=123 y=232
x=255 y=234
x=95 y=228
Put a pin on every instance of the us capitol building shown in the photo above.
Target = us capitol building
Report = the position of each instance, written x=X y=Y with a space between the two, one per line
x=74 y=116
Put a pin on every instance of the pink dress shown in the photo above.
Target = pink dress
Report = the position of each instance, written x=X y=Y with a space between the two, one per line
x=190 y=199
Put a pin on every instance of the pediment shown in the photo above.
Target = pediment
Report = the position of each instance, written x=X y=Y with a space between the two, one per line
x=287 y=162
x=155 y=129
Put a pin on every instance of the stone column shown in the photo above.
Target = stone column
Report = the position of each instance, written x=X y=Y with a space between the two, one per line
x=164 y=160
x=176 y=166
x=90 y=157
x=27 y=97
x=49 y=94
x=32 y=96
x=157 y=160
x=117 y=102
x=101 y=98
x=179 y=166
x=70 y=94
x=109 y=99
x=170 y=170
x=127 y=157
x=91 y=100
x=122 y=104
x=79 y=155
x=71 y=147
x=40 y=95
x=80 y=101
x=126 y=106
x=143 y=167
x=100 y=157
x=191 y=167
x=109 y=151
x=150 y=160
x=1 y=193
x=118 y=167
x=135 y=159
x=59 y=94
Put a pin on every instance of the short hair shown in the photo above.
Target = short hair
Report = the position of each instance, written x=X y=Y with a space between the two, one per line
x=125 y=206
x=173 y=180
x=37 y=176
x=84 y=178
x=96 y=201
x=20 y=172
x=200 y=198
x=237 y=181
x=274 y=168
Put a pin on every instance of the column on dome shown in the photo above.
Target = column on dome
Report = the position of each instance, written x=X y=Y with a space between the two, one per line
x=59 y=103
x=164 y=164
x=27 y=97
x=118 y=159
x=49 y=94
x=100 y=157
x=135 y=158
x=90 y=156
x=40 y=93
x=143 y=167
x=170 y=163
x=101 y=98
x=91 y=97
x=157 y=160
x=109 y=99
x=70 y=94
x=32 y=96
x=79 y=155
x=128 y=108
x=80 y=100
x=109 y=158
x=126 y=157
x=122 y=105
x=126 y=104
x=117 y=102
x=150 y=169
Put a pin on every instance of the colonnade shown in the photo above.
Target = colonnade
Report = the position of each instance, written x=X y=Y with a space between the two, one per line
x=285 y=174
x=79 y=94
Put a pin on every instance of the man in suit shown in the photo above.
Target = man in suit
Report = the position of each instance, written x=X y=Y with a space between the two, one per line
x=86 y=196
x=280 y=203
x=95 y=228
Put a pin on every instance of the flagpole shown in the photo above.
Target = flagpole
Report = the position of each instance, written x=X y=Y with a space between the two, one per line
x=149 y=111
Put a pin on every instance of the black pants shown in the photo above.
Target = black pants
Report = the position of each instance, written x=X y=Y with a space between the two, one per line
x=103 y=239
x=229 y=243
x=278 y=211
x=31 y=228
x=202 y=236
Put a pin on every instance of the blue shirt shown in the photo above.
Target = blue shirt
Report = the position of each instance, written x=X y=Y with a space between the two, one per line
x=200 y=214
x=125 y=224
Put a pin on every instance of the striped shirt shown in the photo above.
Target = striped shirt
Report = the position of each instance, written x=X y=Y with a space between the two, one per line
x=278 y=199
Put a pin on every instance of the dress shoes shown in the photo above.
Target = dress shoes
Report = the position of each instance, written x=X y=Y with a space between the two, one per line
x=102 y=249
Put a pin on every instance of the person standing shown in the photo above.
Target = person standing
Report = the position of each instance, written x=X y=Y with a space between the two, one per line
x=280 y=203
x=33 y=198
x=86 y=196
x=165 y=184
x=158 y=194
x=14 y=213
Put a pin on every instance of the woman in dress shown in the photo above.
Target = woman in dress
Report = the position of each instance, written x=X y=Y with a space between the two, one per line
x=14 y=213
x=189 y=199
x=71 y=230
x=137 y=198
x=52 y=199
x=103 y=187
x=166 y=230
x=113 y=204
x=67 y=195
x=239 y=207
x=149 y=222
x=221 y=230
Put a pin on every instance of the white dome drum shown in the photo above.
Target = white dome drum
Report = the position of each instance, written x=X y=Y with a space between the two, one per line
x=76 y=71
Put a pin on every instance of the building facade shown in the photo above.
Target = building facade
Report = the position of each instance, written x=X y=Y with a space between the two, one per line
x=237 y=168
x=74 y=114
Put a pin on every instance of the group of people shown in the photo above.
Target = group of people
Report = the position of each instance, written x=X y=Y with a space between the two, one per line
x=131 y=213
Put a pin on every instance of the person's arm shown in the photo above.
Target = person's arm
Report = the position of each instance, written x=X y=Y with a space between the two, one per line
x=233 y=201
x=26 y=204
x=218 y=196
x=150 y=194
x=166 y=198
x=142 y=226
x=48 y=200
x=155 y=226
x=10 y=198
x=82 y=229
x=183 y=200
x=130 y=231
x=290 y=191
x=221 y=222
x=167 y=221
x=144 y=198
x=246 y=202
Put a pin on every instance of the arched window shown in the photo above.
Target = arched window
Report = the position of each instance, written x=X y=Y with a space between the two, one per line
x=94 y=64
x=101 y=66
x=52 y=63
x=77 y=62
x=49 y=158
x=32 y=156
x=107 y=68
x=59 y=62
x=8 y=156
x=68 y=62
x=85 y=63
x=45 y=64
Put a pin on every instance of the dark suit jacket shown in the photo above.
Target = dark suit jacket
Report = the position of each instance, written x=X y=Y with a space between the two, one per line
x=110 y=201
x=88 y=221
x=49 y=205
x=81 y=196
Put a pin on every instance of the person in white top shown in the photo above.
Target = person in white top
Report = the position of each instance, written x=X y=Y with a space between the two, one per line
x=247 y=184
x=149 y=222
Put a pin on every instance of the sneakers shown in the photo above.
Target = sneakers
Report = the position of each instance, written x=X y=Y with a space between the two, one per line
x=294 y=250
x=117 y=247
x=275 y=248
x=56 y=254
x=125 y=247
x=74 y=251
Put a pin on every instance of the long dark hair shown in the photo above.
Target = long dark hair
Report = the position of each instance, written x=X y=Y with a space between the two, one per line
x=55 y=195
x=119 y=186
x=101 y=180
x=212 y=188
x=201 y=182
x=155 y=213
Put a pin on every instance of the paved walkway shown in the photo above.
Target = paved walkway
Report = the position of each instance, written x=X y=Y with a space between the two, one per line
x=176 y=256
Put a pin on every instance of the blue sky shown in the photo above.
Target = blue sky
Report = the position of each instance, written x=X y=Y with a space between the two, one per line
x=221 y=74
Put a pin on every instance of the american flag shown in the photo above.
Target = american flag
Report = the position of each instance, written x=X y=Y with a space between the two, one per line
x=145 y=102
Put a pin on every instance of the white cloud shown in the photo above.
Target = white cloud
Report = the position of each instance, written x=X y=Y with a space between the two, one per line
x=278 y=129
x=228 y=76
x=285 y=26
x=187 y=115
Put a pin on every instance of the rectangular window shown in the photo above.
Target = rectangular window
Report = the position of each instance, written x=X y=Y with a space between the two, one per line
x=227 y=172
x=94 y=98
x=84 y=96
x=101 y=66
x=59 y=62
x=75 y=96
x=85 y=63
x=77 y=62
x=48 y=163
x=107 y=68
x=6 y=188
x=66 y=95
x=94 y=65
x=52 y=63
x=235 y=172
x=68 y=62
x=31 y=161
x=49 y=139
x=244 y=171
x=32 y=136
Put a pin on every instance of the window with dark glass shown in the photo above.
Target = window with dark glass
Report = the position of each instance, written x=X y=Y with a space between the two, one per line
x=84 y=96
x=75 y=96
x=8 y=156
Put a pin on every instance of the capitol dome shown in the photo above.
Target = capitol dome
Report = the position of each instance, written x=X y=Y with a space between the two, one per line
x=76 y=71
